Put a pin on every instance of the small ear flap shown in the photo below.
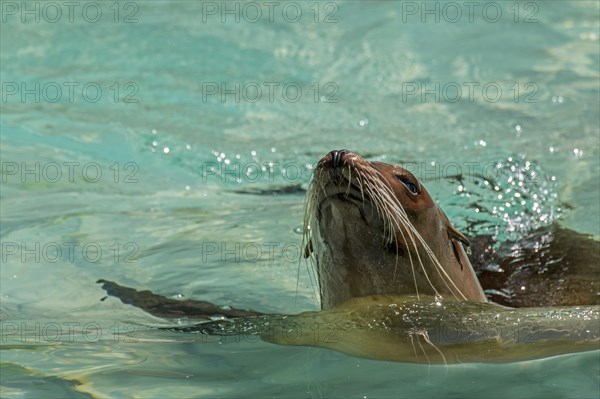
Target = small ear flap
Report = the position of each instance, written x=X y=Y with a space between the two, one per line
x=308 y=249
x=455 y=237
x=453 y=234
x=455 y=249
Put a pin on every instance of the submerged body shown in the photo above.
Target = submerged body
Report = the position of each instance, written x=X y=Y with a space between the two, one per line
x=424 y=330
x=552 y=266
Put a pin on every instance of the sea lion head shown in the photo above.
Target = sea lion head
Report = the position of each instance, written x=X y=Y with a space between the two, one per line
x=372 y=228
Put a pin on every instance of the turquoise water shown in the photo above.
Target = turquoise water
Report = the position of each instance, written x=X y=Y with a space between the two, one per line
x=148 y=173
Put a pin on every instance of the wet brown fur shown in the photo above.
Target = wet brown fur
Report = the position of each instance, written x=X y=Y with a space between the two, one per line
x=370 y=234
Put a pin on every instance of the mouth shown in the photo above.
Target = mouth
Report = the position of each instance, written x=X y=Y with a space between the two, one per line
x=340 y=188
x=343 y=193
x=343 y=197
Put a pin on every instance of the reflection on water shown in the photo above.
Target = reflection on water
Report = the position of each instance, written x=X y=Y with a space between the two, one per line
x=114 y=180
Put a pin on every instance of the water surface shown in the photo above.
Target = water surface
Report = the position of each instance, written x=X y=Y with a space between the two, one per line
x=180 y=177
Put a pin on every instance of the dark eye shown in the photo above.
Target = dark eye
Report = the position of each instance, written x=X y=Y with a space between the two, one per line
x=412 y=186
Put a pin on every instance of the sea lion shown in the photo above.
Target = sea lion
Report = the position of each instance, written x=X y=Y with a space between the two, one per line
x=393 y=276
x=372 y=228
x=424 y=330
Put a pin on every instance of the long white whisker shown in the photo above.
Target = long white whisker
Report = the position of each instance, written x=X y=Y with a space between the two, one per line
x=397 y=226
x=425 y=336
x=402 y=215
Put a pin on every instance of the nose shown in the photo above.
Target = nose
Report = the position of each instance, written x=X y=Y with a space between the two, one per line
x=337 y=157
